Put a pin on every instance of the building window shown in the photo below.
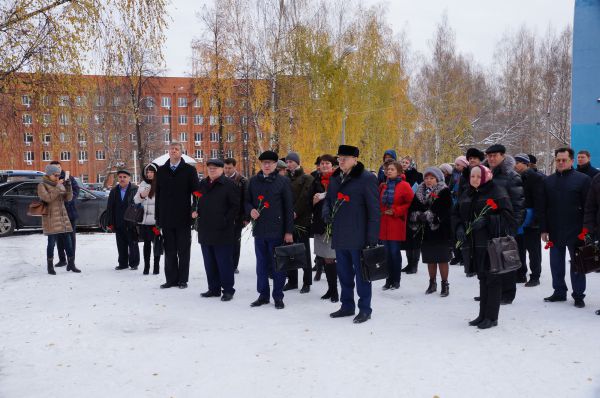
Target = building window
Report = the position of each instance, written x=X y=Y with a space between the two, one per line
x=118 y=154
x=63 y=100
x=198 y=137
x=165 y=119
x=245 y=136
x=28 y=156
x=100 y=155
x=45 y=100
x=133 y=137
x=46 y=119
x=198 y=119
x=46 y=156
x=99 y=100
x=98 y=138
x=214 y=136
x=149 y=102
x=79 y=119
x=148 y=119
x=28 y=138
x=65 y=155
x=228 y=119
x=116 y=100
x=27 y=119
x=198 y=154
x=214 y=153
x=64 y=137
x=230 y=137
x=98 y=119
x=166 y=102
x=244 y=120
x=100 y=178
x=229 y=102
x=182 y=102
x=81 y=137
x=80 y=100
x=183 y=137
x=213 y=102
x=82 y=156
x=214 y=120
x=259 y=135
x=167 y=138
x=182 y=119
x=197 y=103
x=46 y=138
x=229 y=153
x=85 y=178
x=26 y=100
x=63 y=119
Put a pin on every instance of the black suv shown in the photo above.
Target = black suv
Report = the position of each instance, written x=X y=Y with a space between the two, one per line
x=16 y=196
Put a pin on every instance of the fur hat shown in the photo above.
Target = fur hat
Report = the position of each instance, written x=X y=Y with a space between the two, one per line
x=348 y=150
x=436 y=172
x=532 y=158
x=475 y=153
x=52 y=169
x=269 y=155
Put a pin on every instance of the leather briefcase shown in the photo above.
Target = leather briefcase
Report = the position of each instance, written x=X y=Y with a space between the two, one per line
x=37 y=208
x=134 y=213
x=373 y=264
x=587 y=259
x=290 y=257
x=504 y=255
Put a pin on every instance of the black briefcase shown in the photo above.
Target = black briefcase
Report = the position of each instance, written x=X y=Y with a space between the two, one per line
x=587 y=259
x=290 y=257
x=373 y=264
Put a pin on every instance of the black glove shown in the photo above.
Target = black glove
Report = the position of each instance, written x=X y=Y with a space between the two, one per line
x=479 y=224
x=422 y=217
x=460 y=234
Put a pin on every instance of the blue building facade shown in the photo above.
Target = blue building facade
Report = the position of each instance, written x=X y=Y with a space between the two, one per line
x=585 y=101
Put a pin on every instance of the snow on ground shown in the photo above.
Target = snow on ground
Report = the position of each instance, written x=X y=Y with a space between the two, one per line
x=104 y=333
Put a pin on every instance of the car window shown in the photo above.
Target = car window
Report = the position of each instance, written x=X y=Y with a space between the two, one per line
x=83 y=194
x=25 y=189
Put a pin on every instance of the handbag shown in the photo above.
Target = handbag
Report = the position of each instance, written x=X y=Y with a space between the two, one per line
x=290 y=257
x=134 y=213
x=37 y=208
x=373 y=264
x=587 y=259
x=503 y=252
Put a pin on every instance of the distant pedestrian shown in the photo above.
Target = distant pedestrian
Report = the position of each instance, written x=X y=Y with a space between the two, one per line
x=584 y=164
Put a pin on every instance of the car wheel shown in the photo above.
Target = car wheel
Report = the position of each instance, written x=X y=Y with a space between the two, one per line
x=7 y=224
x=102 y=223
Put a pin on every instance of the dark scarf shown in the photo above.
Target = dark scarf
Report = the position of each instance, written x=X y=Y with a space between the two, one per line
x=388 y=194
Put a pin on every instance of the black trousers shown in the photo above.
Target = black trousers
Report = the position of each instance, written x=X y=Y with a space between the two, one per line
x=60 y=243
x=177 y=242
x=306 y=271
x=127 y=245
x=490 y=293
x=152 y=243
x=237 y=246
x=509 y=285
x=530 y=242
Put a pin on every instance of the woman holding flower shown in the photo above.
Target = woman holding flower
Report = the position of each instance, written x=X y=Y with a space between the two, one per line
x=483 y=211
x=148 y=230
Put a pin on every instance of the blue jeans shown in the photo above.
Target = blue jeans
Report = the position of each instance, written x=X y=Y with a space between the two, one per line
x=348 y=268
x=218 y=263
x=557 y=266
x=66 y=239
x=265 y=266
x=394 y=260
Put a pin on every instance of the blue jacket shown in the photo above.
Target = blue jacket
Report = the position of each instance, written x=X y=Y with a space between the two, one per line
x=565 y=195
x=356 y=223
x=278 y=219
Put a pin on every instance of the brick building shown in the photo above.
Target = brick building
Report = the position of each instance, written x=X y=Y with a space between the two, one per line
x=92 y=130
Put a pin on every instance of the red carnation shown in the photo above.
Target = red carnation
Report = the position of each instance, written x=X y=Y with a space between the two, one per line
x=583 y=233
x=197 y=194
x=266 y=204
x=434 y=195
x=260 y=197
x=346 y=198
x=156 y=230
x=549 y=245
x=492 y=204
x=340 y=196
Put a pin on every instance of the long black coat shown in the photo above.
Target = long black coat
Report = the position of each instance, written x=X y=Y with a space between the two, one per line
x=437 y=228
x=533 y=187
x=318 y=224
x=470 y=204
x=115 y=208
x=356 y=223
x=278 y=219
x=174 y=194
x=217 y=209
x=591 y=217
x=506 y=176
x=301 y=184
x=565 y=194
x=241 y=183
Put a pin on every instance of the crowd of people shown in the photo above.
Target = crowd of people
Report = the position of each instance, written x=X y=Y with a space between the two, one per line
x=446 y=215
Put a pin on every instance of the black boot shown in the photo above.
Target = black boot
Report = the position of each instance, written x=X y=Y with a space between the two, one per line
x=432 y=286
x=71 y=265
x=156 y=265
x=61 y=262
x=477 y=320
x=146 y=267
x=331 y=275
x=51 y=266
x=445 y=289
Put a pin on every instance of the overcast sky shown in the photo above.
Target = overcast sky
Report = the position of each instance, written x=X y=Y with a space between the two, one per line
x=478 y=24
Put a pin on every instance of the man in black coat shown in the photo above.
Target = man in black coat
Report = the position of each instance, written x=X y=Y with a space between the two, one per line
x=584 y=164
x=175 y=183
x=529 y=235
x=301 y=184
x=215 y=210
x=241 y=220
x=269 y=203
x=502 y=167
x=119 y=199
x=565 y=194
x=352 y=208
x=73 y=216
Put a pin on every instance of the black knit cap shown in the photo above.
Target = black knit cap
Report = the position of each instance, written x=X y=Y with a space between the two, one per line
x=532 y=158
x=348 y=150
x=215 y=162
x=496 y=148
x=474 y=153
x=269 y=155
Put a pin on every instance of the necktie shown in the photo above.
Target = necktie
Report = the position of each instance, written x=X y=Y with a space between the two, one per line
x=173 y=168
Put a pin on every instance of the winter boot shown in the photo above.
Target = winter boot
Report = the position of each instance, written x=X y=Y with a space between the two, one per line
x=146 y=267
x=51 y=266
x=156 y=265
x=432 y=286
x=445 y=289
x=71 y=265
x=331 y=274
x=61 y=262
x=319 y=263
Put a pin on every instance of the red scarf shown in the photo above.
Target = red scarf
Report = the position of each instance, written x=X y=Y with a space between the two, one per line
x=325 y=179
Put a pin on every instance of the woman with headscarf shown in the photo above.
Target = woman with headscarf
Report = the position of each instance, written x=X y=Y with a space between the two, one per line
x=429 y=218
x=482 y=211
x=149 y=233
x=411 y=244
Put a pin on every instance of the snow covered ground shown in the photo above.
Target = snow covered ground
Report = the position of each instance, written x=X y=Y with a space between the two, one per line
x=104 y=333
